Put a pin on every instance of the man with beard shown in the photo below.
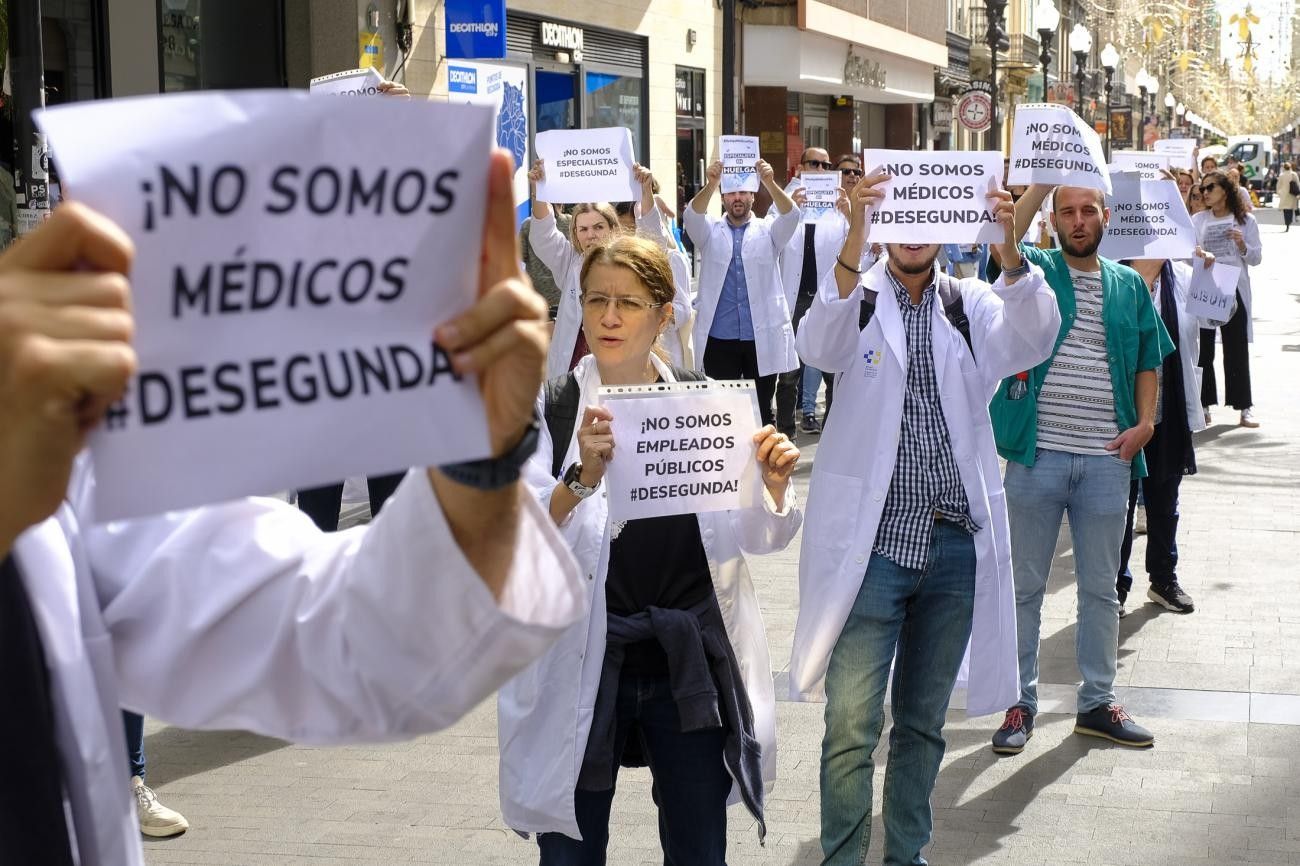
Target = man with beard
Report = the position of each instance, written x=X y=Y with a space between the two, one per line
x=906 y=552
x=1072 y=431
x=742 y=321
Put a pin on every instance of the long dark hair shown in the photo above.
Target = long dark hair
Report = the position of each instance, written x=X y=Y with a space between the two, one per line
x=1220 y=179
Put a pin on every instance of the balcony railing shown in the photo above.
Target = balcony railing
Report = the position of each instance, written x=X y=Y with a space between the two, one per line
x=972 y=20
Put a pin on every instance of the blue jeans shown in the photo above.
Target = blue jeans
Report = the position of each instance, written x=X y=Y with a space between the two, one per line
x=1093 y=491
x=812 y=380
x=691 y=785
x=133 y=724
x=919 y=619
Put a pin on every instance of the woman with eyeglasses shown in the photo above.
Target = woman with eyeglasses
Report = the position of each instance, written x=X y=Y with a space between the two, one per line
x=591 y=223
x=671 y=670
x=850 y=168
x=1225 y=229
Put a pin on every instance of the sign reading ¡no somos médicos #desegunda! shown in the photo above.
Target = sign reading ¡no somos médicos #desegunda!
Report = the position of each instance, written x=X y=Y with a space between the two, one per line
x=681 y=448
x=1148 y=220
x=739 y=154
x=287 y=280
x=352 y=82
x=1147 y=165
x=1050 y=144
x=581 y=165
x=936 y=197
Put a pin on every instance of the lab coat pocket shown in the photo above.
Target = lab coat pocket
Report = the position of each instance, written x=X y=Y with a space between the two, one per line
x=833 y=510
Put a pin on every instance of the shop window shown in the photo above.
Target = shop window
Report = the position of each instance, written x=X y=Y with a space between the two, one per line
x=178 y=36
x=614 y=100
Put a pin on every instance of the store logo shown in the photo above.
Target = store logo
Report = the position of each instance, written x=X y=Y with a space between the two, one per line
x=561 y=36
x=462 y=79
x=862 y=72
x=475 y=28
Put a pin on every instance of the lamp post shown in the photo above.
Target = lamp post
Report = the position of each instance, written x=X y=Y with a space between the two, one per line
x=1170 y=102
x=994 y=36
x=1109 y=60
x=1046 y=17
x=1181 y=111
x=1153 y=87
x=1080 y=45
x=1142 y=79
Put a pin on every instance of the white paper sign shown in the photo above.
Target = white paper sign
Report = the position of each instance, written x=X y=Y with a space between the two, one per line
x=1181 y=151
x=739 y=153
x=1213 y=291
x=681 y=448
x=353 y=82
x=1052 y=145
x=821 y=191
x=1146 y=165
x=936 y=197
x=287 y=280
x=1148 y=220
x=1216 y=238
x=582 y=165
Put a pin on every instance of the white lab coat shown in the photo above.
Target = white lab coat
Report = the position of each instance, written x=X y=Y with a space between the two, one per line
x=1012 y=329
x=678 y=342
x=764 y=240
x=544 y=715
x=1189 y=342
x=1251 y=258
x=244 y=615
x=559 y=254
x=828 y=240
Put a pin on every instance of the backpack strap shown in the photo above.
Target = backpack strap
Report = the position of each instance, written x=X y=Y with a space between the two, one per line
x=950 y=296
x=867 y=309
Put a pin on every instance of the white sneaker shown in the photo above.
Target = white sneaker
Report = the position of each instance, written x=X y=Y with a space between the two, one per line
x=1140 y=521
x=1248 y=419
x=155 y=818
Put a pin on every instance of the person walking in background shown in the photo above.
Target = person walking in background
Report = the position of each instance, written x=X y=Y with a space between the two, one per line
x=1232 y=235
x=1288 y=192
x=156 y=820
x=541 y=276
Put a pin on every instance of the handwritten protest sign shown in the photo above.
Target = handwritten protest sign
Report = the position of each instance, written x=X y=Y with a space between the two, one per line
x=681 y=448
x=1148 y=220
x=822 y=191
x=1216 y=238
x=353 y=82
x=739 y=153
x=936 y=197
x=1213 y=291
x=1147 y=166
x=584 y=165
x=1051 y=145
x=1181 y=151
x=287 y=280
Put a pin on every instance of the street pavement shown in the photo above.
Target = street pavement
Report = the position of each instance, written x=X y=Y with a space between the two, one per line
x=1220 y=688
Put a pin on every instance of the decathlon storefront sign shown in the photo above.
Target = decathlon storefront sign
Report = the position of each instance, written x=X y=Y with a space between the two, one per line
x=476 y=28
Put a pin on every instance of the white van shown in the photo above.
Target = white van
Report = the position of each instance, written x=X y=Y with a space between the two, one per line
x=1255 y=153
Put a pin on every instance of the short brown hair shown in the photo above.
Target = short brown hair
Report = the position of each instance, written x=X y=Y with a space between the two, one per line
x=646 y=260
x=592 y=207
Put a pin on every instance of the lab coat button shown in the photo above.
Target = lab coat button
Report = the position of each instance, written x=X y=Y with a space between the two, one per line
x=861 y=559
x=876 y=496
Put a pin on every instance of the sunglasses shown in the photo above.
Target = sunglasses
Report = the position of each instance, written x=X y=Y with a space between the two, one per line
x=817 y=163
x=1205 y=189
x=851 y=172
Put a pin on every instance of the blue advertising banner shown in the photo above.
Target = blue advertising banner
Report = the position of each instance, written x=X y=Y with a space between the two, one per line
x=476 y=28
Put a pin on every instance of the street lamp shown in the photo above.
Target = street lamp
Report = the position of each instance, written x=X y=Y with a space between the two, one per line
x=1080 y=45
x=1047 y=18
x=1181 y=111
x=995 y=37
x=1153 y=86
x=1109 y=60
x=1142 y=79
x=1170 y=102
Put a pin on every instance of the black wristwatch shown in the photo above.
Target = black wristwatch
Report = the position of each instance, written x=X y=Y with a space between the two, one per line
x=493 y=473
x=573 y=480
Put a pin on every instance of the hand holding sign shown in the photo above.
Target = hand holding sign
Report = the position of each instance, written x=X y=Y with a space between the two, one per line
x=595 y=444
x=1004 y=211
x=866 y=195
x=65 y=355
x=777 y=457
x=503 y=336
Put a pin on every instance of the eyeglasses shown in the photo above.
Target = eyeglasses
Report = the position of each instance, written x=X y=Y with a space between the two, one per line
x=625 y=304
x=817 y=163
x=1205 y=188
x=851 y=172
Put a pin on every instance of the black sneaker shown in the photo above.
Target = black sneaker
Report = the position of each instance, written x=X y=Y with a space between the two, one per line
x=810 y=425
x=1170 y=596
x=1112 y=722
x=1017 y=728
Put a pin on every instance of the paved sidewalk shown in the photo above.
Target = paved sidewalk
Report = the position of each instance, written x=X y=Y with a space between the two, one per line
x=1220 y=688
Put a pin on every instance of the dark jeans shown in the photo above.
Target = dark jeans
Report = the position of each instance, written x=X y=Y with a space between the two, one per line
x=1236 y=363
x=690 y=785
x=322 y=503
x=738 y=359
x=133 y=723
x=1161 y=498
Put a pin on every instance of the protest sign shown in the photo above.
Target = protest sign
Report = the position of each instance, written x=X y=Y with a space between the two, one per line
x=822 y=192
x=582 y=165
x=1147 y=166
x=287 y=279
x=352 y=82
x=1181 y=151
x=739 y=153
x=1051 y=145
x=1148 y=220
x=936 y=197
x=1213 y=291
x=681 y=448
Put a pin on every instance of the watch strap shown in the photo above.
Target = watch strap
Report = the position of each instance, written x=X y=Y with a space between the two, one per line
x=493 y=473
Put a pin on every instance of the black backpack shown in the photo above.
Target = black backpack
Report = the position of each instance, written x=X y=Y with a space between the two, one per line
x=949 y=295
x=560 y=410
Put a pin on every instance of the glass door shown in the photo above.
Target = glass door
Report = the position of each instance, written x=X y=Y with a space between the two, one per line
x=555 y=98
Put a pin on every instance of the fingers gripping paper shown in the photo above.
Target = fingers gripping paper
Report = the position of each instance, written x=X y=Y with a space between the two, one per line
x=1051 y=145
x=287 y=280
x=681 y=448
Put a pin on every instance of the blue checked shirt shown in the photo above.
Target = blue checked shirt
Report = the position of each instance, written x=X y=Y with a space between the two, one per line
x=926 y=483
x=732 y=319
